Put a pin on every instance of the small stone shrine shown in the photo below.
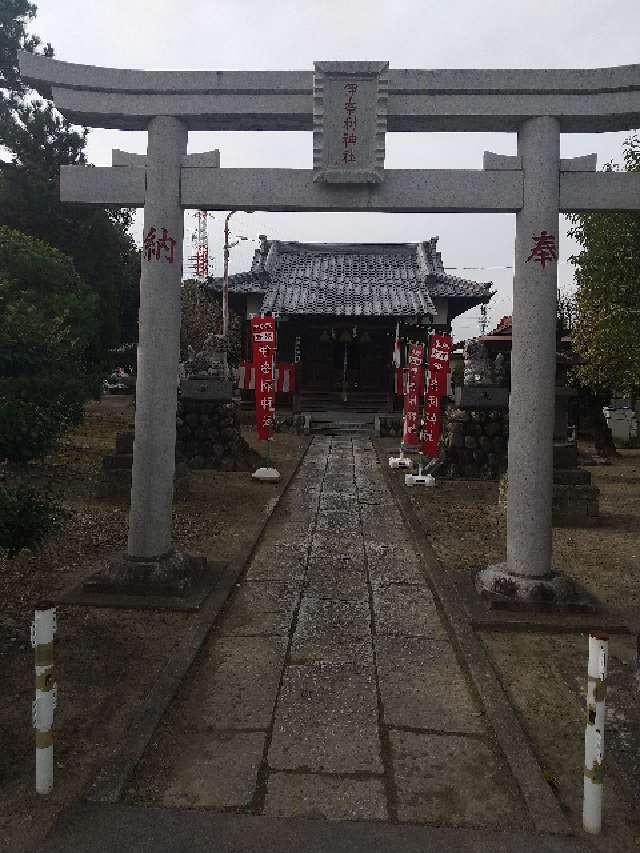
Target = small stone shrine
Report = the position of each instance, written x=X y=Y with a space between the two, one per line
x=207 y=423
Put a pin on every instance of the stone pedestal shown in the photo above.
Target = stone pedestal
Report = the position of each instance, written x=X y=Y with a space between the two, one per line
x=475 y=442
x=208 y=436
x=172 y=574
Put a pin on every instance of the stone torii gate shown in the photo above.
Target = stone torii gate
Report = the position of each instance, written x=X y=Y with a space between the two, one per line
x=349 y=175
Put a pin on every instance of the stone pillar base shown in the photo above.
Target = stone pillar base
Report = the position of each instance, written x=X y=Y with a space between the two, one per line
x=173 y=574
x=500 y=585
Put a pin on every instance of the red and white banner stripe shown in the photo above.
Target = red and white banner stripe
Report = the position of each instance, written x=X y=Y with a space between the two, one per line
x=285 y=377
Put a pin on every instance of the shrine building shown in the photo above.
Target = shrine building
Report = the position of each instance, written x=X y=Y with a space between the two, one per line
x=338 y=305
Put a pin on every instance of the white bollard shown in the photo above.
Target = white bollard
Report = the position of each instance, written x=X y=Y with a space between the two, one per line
x=43 y=628
x=401 y=461
x=594 y=734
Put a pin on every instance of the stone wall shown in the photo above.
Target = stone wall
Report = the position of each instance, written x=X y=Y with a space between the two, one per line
x=208 y=436
x=475 y=442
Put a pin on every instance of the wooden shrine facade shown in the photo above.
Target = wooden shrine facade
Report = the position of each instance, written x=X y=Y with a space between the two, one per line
x=338 y=306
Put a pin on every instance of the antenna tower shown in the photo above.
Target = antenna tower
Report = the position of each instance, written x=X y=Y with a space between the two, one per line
x=199 y=263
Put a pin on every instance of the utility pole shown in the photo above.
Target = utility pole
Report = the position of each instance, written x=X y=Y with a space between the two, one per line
x=225 y=286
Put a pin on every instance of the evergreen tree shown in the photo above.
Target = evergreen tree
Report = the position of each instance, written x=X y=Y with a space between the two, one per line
x=48 y=319
x=607 y=323
x=39 y=140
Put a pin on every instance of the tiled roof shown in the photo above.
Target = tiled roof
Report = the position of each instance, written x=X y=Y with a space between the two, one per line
x=504 y=326
x=352 y=279
x=452 y=287
x=242 y=282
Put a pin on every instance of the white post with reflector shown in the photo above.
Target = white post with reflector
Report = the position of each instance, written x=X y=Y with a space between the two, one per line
x=594 y=734
x=43 y=628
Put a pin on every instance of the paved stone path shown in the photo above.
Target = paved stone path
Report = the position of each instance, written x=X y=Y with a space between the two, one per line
x=330 y=686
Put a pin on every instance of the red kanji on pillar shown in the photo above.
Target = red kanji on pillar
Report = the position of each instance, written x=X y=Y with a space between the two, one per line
x=155 y=248
x=544 y=249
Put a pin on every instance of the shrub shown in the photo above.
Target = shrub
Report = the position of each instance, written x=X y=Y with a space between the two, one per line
x=47 y=331
x=26 y=519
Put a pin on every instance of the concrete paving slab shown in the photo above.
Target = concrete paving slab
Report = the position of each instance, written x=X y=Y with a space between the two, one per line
x=389 y=568
x=260 y=608
x=329 y=543
x=203 y=769
x=352 y=654
x=400 y=549
x=326 y=721
x=326 y=558
x=338 y=521
x=423 y=687
x=336 y=581
x=152 y=830
x=289 y=532
x=235 y=683
x=329 y=797
x=407 y=611
x=336 y=486
x=279 y=561
x=452 y=781
x=334 y=501
x=320 y=616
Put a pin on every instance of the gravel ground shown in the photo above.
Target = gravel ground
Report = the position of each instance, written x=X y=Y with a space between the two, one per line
x=104 y=659
x=545 y=674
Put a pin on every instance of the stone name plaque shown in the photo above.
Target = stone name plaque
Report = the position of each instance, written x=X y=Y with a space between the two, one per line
x=349 y=121
x=482 y=397
x=206 y=389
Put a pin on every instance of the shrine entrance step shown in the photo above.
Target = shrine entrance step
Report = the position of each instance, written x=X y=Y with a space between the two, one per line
x=357 y=401
x=340 y=423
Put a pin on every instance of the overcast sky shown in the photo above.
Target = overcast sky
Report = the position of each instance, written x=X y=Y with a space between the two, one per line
x=254 y=34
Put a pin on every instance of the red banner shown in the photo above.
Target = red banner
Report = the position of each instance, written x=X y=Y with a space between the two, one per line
x=413 y=395
x=436 y=388
x=263 y=336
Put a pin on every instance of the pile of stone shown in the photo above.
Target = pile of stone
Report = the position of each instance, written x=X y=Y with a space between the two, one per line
x=475 y=442
x=208 y=436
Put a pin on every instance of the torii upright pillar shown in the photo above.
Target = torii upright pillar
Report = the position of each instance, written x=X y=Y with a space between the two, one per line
x=527 y=573
x=151 y=565
x=159 y=343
